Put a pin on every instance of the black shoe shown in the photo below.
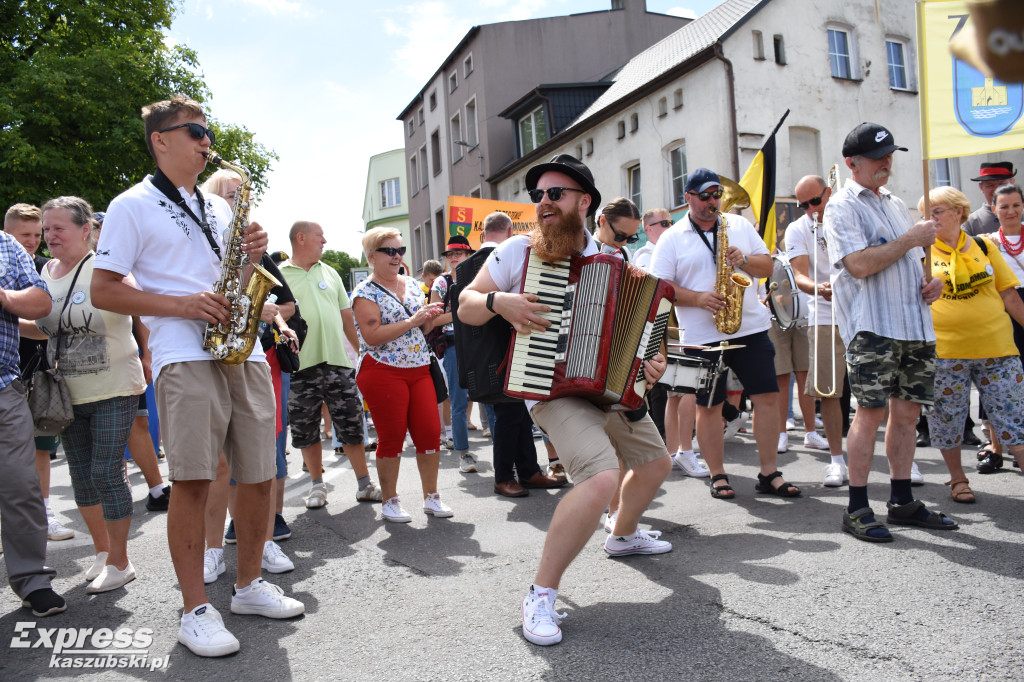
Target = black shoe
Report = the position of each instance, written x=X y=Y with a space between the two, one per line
x=372 y=446
x=970 y=438
x=923 y=440
x=159 y=503
x=45 y=602
x=991 y=464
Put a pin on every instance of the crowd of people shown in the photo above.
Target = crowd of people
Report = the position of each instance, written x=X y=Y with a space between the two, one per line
x=904 y=314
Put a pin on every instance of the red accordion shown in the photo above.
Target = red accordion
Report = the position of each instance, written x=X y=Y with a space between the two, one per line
x=607 y=317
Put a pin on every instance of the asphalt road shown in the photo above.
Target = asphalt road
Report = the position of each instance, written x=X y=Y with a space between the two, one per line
x=756 y=588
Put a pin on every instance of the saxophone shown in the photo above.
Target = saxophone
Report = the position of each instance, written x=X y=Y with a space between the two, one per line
x=232 y=343
x=729 y=283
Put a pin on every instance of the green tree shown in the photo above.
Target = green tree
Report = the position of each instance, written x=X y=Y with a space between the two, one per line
x=73 y=80
x=342 y=262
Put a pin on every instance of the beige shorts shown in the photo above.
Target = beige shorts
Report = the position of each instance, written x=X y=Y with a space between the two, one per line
x=590 y=440
x=790 y=349
x=207 y=407
x=825 y=363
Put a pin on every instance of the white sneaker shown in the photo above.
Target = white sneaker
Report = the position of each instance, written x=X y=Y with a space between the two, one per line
x=836 y=475
x=449 y=443
x=790 y=424
x=640 y=542
x=783 y=443
x=467 y=463
x=202 y=631
x=540 y=620
x=733 y=427
x=609 y=521
x=317 y=496
x=392 y=511
x=433 y=506
x=813 y=439
x=264 y=599
x=98 y=562
x=274 y=559
x=213 y=565
x=916 y=477
x=818 y=424
x=111 y=578
x=690 y=465
x=371 y=493
x=55 y=530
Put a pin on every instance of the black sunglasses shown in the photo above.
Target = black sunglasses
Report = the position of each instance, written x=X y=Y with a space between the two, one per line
x=704 y=196
x=554 y=193
x=195 y=130
x=816 y=201
x=619 y=237
x=392 y=251
x=663 y=223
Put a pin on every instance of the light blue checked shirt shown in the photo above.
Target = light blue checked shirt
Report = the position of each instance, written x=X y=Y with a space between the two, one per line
x=17 y=272
x=889 y=302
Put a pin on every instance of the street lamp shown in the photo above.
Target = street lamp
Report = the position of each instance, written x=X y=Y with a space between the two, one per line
x=470 y=147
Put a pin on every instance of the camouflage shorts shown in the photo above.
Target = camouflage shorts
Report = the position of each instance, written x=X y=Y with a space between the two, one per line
x=882 y=368
x=335 y=386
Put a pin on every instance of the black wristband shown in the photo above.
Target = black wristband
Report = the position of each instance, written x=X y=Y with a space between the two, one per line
x=490 y=303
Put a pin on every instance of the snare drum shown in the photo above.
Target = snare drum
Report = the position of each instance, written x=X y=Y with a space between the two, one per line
x=686 y=374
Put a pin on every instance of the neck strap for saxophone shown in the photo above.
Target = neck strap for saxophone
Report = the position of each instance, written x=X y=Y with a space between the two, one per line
x=167 y=188
x=713 y=244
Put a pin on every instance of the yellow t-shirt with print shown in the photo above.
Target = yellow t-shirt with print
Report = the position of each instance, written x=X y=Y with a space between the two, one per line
x=971 y=322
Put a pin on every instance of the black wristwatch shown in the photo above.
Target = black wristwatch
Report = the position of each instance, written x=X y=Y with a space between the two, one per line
x=490 y=303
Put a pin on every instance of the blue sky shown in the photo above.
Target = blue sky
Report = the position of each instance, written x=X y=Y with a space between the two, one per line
x=321 y=83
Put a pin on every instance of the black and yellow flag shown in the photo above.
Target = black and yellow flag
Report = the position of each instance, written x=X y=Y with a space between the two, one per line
x=759 y=182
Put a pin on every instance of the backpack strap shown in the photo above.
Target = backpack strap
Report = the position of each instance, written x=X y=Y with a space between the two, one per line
x=981 y=244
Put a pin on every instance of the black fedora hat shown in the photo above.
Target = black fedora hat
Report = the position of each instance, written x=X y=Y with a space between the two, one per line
x=567 y=164
x=999 y=170
x=457 y=243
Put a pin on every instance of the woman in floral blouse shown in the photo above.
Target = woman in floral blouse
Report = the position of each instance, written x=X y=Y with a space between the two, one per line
x=394 y=370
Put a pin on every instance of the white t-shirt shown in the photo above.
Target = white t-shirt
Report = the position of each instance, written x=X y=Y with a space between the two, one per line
x=506 y=262
x=145 y=234
x=800 y=241
x=642 y=256
x=681 y=257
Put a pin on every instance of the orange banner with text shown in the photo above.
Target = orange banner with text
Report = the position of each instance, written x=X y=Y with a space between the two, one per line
x=466 y=217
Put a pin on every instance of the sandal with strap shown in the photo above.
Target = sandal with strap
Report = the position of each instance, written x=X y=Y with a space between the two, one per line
x=961 y=491
x=764 y=485
x=853 y=525
x=904 y=515
x=724 y=492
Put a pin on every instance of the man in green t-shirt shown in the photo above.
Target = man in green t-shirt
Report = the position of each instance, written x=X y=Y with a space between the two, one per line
x=325 y=371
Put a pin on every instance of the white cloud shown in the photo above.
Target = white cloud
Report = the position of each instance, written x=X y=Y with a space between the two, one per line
x=429 y=31
x=684 y=12
x=276 y=7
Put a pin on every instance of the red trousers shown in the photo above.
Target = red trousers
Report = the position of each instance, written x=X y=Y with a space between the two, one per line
x=400 y=399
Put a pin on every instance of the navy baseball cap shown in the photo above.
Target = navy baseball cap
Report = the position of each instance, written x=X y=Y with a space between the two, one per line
x=701 y=179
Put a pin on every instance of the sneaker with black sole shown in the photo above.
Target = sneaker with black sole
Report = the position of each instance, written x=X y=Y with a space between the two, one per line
x=202 y=631
x=264 y=599
x=159 y=503
x=281 y=529
x=45 y=602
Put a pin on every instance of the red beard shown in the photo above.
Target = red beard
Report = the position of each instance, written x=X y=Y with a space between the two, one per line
x=559 y=238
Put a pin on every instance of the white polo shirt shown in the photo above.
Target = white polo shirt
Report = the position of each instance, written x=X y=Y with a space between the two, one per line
x=682 y=258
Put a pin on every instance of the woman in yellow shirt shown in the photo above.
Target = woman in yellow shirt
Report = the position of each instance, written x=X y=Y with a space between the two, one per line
x=974 y=337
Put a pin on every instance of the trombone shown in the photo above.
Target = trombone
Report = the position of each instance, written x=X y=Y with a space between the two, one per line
x=819 y=242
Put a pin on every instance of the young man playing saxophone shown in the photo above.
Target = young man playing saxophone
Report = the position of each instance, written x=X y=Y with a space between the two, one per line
x=168 y=235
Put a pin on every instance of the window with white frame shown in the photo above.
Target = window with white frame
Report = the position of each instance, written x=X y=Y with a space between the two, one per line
x=456 y=132
x=412 y=127
x=533 y=131
x=435 y=151
x=467 y=65
x=414 y=175
x=475 y=192
x=390 y=193
x=424 y=176
x=471 y=129
x=840 y=52
x=678 y=175
x=896 y=59
x=946 y=172
x=453 y=81
x=433 y=100
x=633 y=185
x=419 y=116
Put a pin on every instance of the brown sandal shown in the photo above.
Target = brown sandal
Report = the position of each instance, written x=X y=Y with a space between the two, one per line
x=961 y=491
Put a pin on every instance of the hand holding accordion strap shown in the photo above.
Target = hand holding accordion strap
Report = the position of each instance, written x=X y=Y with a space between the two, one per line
x=49 y=399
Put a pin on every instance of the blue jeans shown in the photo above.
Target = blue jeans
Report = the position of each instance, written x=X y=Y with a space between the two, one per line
x=459 y=399
x=489 y=411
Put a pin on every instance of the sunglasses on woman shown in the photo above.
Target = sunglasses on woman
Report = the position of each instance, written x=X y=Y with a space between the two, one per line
x=554 y=193
x=619 y=237
x=816 y=201
x=391 y=251
x=195 y=130
x=704 y=196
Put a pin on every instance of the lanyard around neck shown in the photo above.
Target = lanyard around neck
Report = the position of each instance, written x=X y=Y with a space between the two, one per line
x=713 y=244
x=167 y=188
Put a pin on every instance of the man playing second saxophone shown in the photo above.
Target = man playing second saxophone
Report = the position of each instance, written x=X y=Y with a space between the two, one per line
x=687 y=256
